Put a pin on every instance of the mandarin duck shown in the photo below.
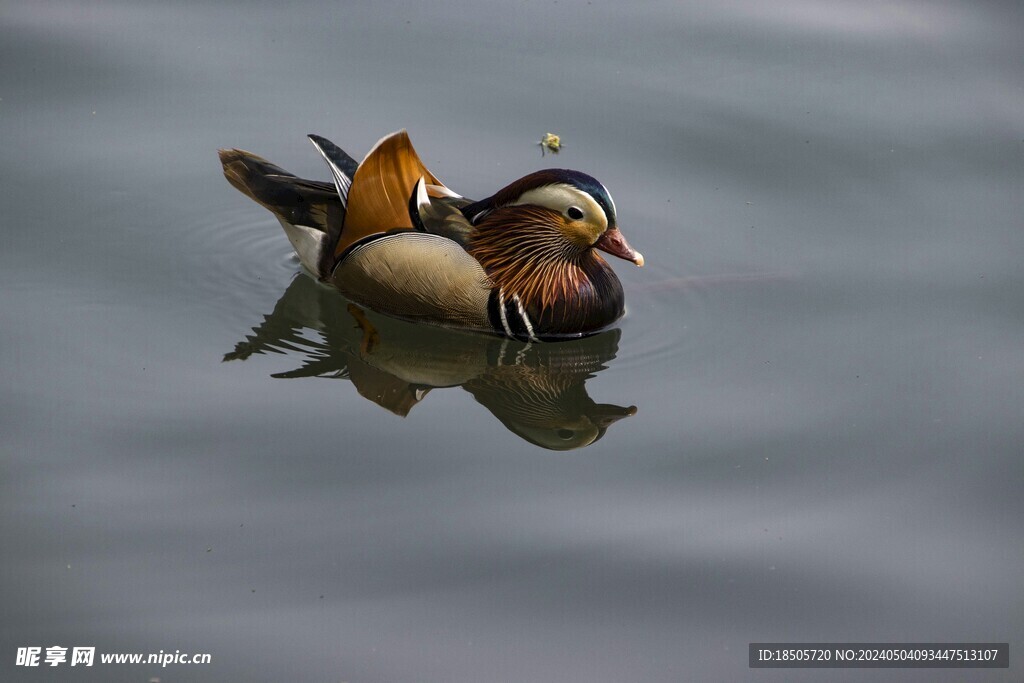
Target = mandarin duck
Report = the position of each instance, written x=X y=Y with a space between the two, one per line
x=521 y=263
x=537 y=391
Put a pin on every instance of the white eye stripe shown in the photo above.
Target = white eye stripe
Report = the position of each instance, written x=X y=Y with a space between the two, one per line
x=560 y=197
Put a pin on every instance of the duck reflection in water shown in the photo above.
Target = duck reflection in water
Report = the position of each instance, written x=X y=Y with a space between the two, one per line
x=537 y=390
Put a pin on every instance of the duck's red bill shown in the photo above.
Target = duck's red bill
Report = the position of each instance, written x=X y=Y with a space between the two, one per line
x=612 y=242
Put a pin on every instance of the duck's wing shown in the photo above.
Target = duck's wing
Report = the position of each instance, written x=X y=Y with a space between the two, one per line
x=342 y=166
x=377 y=198
x=439 y=215
x=417 y=276
x=311 y=212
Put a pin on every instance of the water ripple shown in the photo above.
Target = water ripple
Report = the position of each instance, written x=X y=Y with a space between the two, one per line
x=245 y=261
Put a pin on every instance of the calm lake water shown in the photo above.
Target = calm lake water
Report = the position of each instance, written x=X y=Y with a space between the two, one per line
x=808 y=427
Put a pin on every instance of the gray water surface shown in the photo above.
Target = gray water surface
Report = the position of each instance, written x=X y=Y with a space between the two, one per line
x=808 y=427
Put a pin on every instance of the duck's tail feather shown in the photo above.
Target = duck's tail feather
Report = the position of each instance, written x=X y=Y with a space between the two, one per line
x=311 y=212
x=343 y=167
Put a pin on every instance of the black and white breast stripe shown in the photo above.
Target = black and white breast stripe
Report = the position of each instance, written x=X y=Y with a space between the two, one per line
x=507 y=316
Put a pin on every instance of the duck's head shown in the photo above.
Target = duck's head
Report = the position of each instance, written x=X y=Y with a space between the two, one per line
x=555 y=212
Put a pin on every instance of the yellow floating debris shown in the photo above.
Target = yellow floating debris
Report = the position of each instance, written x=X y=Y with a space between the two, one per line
x=550 y=142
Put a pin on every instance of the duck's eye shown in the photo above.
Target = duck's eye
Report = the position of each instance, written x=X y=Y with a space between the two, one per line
x=574 y=213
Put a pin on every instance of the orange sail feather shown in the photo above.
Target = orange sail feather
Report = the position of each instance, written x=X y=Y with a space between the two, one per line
x=379 y=198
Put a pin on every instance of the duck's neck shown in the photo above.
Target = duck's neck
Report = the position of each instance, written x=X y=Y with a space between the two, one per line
x=564 y=289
